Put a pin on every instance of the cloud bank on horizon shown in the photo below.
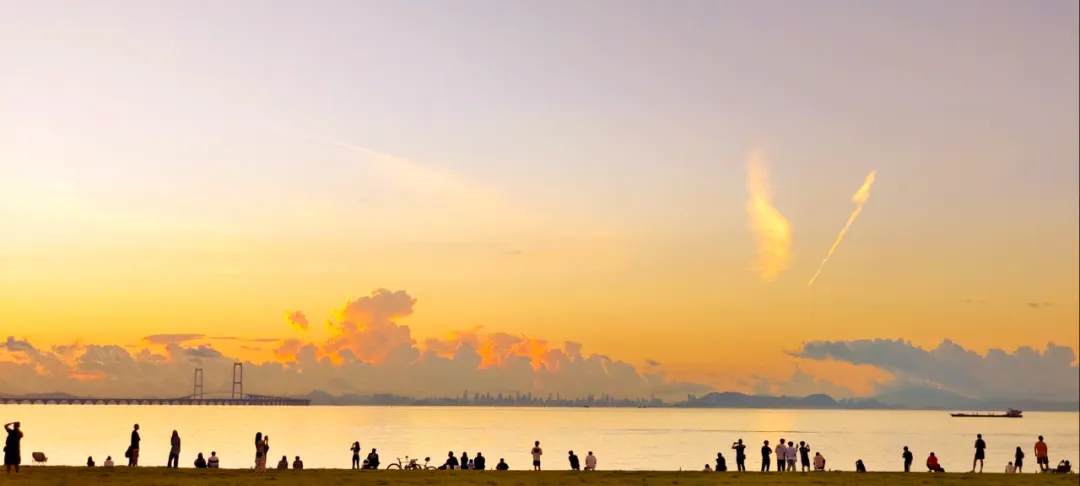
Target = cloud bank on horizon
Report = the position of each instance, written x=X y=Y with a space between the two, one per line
x=370 y=352
x=1051 y=374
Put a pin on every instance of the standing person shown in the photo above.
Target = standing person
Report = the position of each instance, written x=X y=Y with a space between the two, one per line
x=174 y=451
x=791 y=451
x=262 y=447
x=575 y=464
x=1042 y=458
x=133 y=449
x=536 y=453
x=804 y=455
x=740 y=455
x=980 y=453
x=355 y=455
x=1019 y=464
x=590 y=462
x=781 y=456
x=765 y=461
x=908 y=458
x=13 y=446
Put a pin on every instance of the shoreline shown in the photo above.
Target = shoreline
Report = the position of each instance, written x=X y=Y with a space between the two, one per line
x=51 y=475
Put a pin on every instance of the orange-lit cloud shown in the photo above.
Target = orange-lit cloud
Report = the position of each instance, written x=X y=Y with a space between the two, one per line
x=772 y=232
x=297 y=320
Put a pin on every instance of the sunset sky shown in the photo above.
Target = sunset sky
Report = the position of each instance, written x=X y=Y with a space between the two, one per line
x=566 y=171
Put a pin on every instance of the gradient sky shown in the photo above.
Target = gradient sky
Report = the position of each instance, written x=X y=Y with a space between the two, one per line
x=566 y=170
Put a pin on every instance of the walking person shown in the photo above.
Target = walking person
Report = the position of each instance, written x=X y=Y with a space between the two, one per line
x=740 y=455
x=536 y=453
x=133 y=449
x=1019 y=460
x=355 y=455
x=174 y=451
x=13 y=446
x=908 y=458
x=980 y=453
x=766 y=451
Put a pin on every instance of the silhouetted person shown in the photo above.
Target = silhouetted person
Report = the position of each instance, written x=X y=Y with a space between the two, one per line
x=298 y=464
x=859 y=466
x=721 y=463
x=90 y=461
x=174 y=451
x=213 y=461
x=108 y=462
x=373 y=459
x=13 y=446
x=740 y=455
x=575 y=465
x=804 y=455
x=283 y=463
x=451 y=461
x=590 y=462
x=355 y=455
x=766 y=451
x=908 y=459
x=1042 y=458
x=933 y=465
x=133 y=449
x=479 y=462
x=502 y=466
x=200 y=462
x=464 y=460
x=1019 y=460
x=536 y=453
x=708 y=468
x=781 y=456
x=980 y=453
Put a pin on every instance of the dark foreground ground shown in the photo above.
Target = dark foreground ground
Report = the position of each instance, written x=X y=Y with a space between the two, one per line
x=56 y=476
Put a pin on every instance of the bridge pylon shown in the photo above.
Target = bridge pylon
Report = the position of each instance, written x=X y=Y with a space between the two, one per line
x=237 y=380
x=197 y=394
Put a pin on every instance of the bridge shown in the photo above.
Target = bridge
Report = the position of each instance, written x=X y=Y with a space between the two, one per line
x=197 y=397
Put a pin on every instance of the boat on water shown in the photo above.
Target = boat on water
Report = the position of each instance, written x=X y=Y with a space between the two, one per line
x=1010 y=413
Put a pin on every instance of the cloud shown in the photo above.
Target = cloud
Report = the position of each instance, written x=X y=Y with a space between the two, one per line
x=772 y=232
x=652 y=363
x=1039 y=305
x=1024 y=373
x=297 y=320
x=172 y=338
x=368 y=351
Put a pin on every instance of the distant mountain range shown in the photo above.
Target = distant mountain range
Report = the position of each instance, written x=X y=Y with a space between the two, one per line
x=914 y=398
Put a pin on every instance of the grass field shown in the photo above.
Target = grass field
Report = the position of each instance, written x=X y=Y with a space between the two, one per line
x=69 y=476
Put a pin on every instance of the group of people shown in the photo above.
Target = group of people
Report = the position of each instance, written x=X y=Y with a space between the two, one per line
x=132 y=454
x=787 y=455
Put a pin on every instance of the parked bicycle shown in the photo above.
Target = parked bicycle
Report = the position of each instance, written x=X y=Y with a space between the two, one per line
x=411 y=464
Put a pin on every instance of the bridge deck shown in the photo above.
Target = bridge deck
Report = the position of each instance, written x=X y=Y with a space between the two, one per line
x=246 y=401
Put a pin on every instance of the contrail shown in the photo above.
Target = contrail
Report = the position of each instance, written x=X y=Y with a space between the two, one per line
x=859 y=198
x=771 y=230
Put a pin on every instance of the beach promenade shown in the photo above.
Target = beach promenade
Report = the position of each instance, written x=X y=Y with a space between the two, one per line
x=50 y=476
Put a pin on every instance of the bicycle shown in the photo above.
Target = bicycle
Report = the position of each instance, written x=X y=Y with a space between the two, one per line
x=411 y=464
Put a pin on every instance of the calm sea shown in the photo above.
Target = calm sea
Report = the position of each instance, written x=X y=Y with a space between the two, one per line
x=627 y=439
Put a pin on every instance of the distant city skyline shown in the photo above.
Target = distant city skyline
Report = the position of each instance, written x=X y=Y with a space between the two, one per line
x=379 y=196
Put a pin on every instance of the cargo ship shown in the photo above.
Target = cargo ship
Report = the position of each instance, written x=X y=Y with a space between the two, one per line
x=1010 y=413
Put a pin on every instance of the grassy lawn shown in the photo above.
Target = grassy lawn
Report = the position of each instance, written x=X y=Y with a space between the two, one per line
x=327 y=477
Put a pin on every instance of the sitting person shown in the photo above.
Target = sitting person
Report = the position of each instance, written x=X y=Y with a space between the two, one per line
x=859 y=466
x=283 y=463
x=1064 y=467
x=1010 y=468
x=90 y=461
x=708 y=468
x=502 y=465
x=298 y=464
x=108 y=462
x=819 y=462
x=212 y=462
x=933 y=465
x=200 y=462
x=372 y=460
